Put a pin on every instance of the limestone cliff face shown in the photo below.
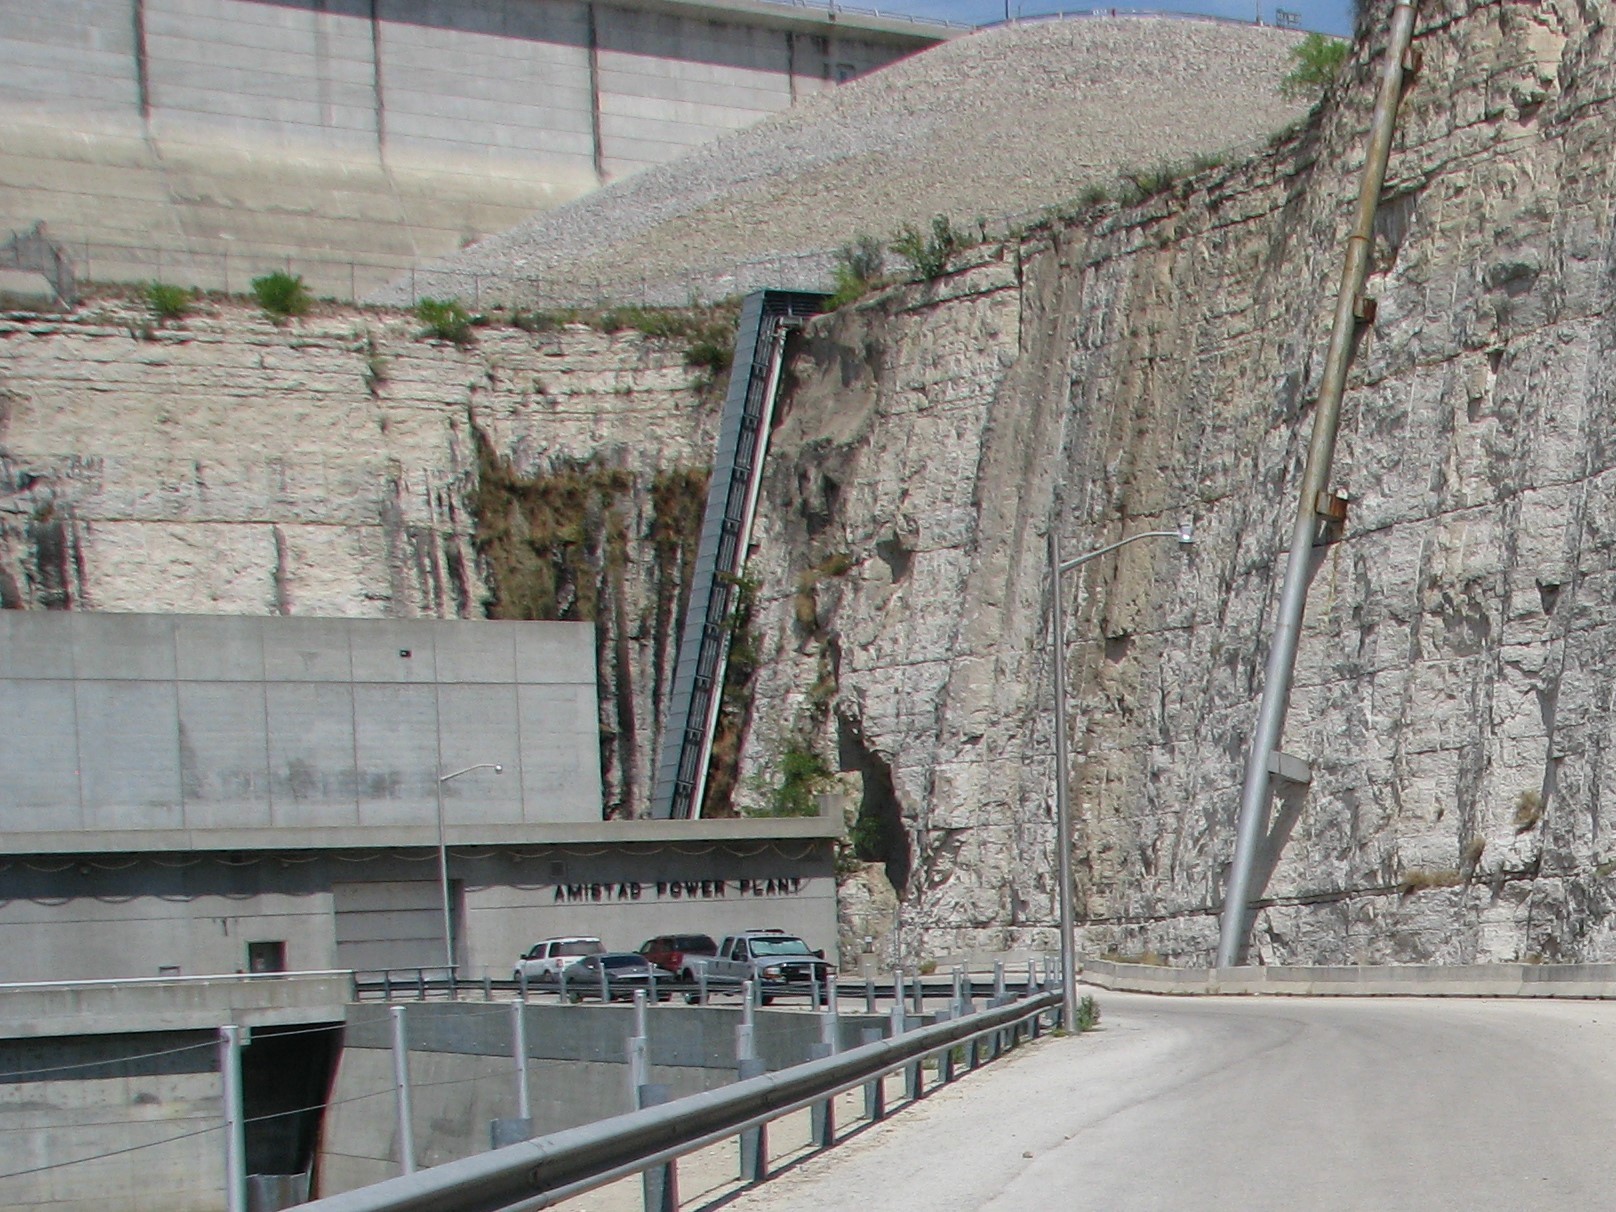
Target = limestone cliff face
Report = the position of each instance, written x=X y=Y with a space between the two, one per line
x=1158 y=365
x=342 y=465
x=1143 y=367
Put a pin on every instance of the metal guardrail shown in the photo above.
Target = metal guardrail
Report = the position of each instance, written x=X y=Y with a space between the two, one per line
x=433 y=984
x=540 y=1172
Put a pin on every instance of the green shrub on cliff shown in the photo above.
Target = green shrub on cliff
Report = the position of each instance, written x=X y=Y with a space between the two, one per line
x=1317 y=61
x=282 y=295
x=929 y=256
x=167 y=302
x=858 y=270
x=445 y=319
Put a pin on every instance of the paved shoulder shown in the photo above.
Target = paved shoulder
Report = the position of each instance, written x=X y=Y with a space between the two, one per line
x=1255 y=1104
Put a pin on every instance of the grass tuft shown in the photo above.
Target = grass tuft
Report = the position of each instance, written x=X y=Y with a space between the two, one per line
x=282 y=295
x=445 y=319
x=167 y=302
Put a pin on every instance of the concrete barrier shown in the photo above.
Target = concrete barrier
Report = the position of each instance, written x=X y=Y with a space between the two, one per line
x=181 y=1003
x=1359 y=980
x=578 y=1072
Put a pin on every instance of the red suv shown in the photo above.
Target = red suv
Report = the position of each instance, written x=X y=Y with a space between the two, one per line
x=668 y=951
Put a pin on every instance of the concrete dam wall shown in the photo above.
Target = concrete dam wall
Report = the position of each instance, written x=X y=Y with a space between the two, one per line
x=203 y=142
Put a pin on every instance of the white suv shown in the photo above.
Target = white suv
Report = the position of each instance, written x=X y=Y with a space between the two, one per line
x=544 y=960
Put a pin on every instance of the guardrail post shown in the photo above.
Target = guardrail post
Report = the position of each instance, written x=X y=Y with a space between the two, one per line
x=521 y=984
x=830 y=1028
x=401 y=1087
x=999 y=997
x=898 y=986
x=524 y=1107
x=488 y=985
x=561 y=985
x=605 y=987
x=746 y=1033
x=420 y=984
x=661 y=1183
x=638 y=1062
x=913 y=1079
x=387 y=985
x=875 y=1091
x=945 y=1058
x=869 y=995
x=449 y=979
x=235 y=1129
x=920 y=994
x=822 y=1115
x=701 y=985
x=653 y=984
x=754 y=1142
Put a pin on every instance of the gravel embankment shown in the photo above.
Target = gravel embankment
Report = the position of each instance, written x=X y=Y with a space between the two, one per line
x=997 y=123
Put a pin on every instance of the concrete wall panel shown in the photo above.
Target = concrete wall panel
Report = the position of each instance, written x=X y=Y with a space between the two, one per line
x=222 y=724
x=128 y=741
x=224 y=757
x=42 y=771
x=312 y=776
x=396 y=740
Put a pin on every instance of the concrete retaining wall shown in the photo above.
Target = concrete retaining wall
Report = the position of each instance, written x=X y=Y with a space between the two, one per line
x=131 y=1122
x=463 y=1072
x=206 y=141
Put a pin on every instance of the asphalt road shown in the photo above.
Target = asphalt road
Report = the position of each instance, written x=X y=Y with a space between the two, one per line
x=1203 y=1104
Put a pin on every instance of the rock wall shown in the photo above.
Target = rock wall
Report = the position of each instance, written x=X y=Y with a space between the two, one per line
x=1124 y=370
x=342 y=465
x=1159 y=364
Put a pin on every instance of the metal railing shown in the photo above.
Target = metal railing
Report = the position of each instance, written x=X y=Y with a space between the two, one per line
x=424 y=984
x=542 y=1171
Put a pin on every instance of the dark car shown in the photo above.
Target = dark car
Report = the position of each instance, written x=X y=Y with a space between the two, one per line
x=625 y=972
x=669 y=952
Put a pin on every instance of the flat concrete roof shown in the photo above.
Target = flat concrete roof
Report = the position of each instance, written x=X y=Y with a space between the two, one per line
x=594 y=833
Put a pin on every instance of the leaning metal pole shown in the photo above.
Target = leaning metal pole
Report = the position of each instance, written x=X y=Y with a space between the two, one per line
x=1255 y=792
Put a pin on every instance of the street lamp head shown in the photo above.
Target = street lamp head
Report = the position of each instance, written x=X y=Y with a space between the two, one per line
x=1186 y=533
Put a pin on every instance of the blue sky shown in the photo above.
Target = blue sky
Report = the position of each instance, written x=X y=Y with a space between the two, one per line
x=1327 y=16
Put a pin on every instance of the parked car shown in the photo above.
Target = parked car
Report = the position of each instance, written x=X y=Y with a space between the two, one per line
x=674 y=952
x=781 y=961
x=545 y=959
x=625 y=972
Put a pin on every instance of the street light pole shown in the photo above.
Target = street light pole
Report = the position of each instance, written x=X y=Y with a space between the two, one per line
x=443 y=864
x=1185 y=534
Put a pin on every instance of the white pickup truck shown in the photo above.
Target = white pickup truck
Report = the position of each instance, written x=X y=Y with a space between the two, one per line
x=772 y=957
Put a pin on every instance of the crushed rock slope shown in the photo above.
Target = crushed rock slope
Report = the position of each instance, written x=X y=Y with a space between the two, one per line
x=998 y=123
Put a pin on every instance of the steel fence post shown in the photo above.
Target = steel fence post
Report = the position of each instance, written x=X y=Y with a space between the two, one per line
x=401 y=1089
x=875 y=1094
x=524 y=1107
x=235 y=1129
x=660 y=1184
